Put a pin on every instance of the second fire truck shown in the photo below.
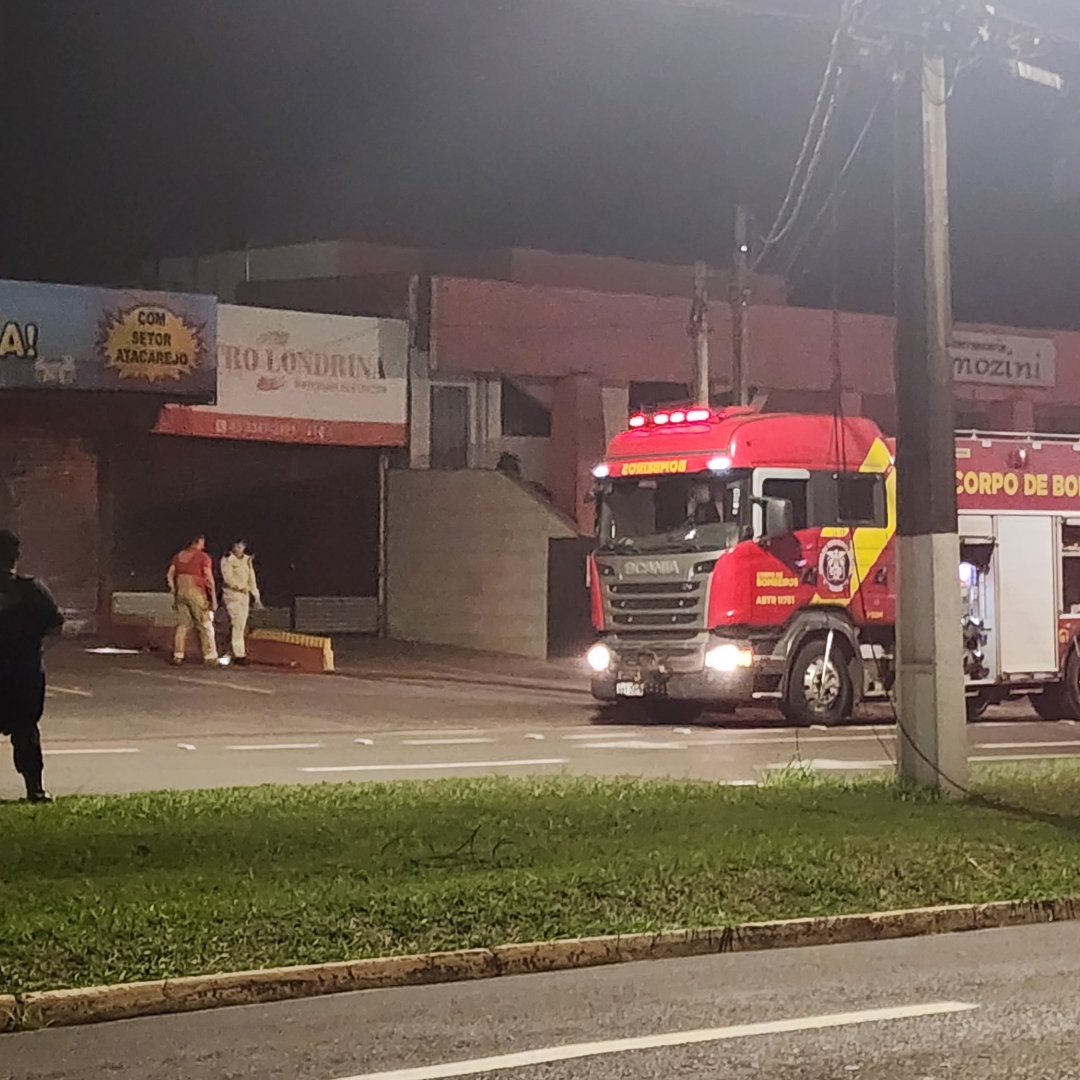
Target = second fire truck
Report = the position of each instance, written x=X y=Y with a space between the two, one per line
x=746 y=557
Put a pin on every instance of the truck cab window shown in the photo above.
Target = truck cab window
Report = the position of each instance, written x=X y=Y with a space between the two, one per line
x=702 y=512
x=795 y=491
x=860 y=500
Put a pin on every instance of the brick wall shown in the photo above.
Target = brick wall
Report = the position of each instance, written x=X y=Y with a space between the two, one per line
x=49 y=497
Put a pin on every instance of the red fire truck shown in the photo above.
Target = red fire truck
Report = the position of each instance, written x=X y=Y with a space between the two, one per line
x=749 y=557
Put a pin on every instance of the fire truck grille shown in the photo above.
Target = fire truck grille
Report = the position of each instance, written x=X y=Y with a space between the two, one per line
x=656 y=588
x=654 y=620
x=656 y=604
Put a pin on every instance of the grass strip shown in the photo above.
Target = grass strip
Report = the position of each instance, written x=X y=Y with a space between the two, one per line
x=108 y=889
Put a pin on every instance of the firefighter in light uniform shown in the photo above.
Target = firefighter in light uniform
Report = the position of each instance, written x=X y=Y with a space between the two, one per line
x=191 y=581
x=240 y=589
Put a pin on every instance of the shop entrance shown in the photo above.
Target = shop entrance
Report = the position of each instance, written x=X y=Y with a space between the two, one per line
x=310 y=514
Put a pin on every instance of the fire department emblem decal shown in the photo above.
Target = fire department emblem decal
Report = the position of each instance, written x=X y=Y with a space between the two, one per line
x=835 y=565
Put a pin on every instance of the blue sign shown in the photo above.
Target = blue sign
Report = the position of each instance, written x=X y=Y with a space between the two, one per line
x=75 y=337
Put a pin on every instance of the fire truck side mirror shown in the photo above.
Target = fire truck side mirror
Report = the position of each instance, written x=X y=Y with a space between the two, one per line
x=779 y=518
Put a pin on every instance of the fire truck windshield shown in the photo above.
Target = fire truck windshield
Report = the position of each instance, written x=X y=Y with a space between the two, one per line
x=700 y=512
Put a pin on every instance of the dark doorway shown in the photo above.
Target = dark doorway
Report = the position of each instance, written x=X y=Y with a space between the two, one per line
x=570 y=629
x=449 y=427
x=310 y=514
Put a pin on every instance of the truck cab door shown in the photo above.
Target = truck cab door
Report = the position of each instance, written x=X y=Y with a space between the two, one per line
x=797 y=552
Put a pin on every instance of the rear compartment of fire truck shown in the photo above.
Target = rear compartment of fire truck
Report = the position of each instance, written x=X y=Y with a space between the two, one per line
x=1020 y=590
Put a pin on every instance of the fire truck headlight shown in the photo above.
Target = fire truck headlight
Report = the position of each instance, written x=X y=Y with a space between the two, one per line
x=602 y=472
x=599 y=657
x=728 y=658
x=719 y=464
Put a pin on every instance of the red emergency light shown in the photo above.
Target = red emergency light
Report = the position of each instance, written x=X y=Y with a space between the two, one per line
x=678 y=416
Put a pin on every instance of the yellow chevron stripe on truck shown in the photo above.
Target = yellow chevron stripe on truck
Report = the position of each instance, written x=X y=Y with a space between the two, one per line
x=868 y=545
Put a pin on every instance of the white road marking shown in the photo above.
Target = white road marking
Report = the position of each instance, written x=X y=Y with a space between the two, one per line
x=212 y=682
x=681 y=731
x=789 y=740
x=365 y=742
x=97 y=750
x=185 y=746
x=433 y=765
x=1025 y=757
x=432 y=731
x=576 y=1051
x=634 y=744
x=447 y=742
x=74 y=691
x=602 y=730
x=1074 y=743
x=534 y=736
x=277 y=746
x=832 y=764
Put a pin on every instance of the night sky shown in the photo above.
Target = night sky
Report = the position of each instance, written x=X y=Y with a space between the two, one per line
x=134 y=129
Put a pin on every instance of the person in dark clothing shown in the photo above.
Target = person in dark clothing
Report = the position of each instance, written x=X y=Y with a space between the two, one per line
x=27 y=614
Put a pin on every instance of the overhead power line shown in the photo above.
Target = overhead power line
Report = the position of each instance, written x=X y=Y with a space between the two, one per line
x=810 y=152
x=834 y=194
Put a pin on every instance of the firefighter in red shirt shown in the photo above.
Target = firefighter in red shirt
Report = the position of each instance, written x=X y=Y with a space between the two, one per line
x=191 y=582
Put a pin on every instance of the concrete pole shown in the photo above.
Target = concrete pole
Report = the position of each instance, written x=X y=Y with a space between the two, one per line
x=740 y=314
x=701 y=333
x=930 y=684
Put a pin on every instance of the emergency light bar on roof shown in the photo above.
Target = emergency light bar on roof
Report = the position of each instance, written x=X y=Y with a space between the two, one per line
x=690 y=414
x=674 y=416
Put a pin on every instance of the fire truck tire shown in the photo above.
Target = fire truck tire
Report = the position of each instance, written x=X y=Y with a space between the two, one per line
x=833 y=702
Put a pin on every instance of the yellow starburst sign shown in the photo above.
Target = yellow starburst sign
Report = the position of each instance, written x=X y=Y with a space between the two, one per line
x=151 y=342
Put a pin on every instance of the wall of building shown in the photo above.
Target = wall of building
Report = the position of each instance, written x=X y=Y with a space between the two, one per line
x=54 y=449
x=549 y=332
x=49 y=498
x=467 y=556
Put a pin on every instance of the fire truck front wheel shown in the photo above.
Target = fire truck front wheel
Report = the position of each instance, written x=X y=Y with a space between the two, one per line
x=819 y=693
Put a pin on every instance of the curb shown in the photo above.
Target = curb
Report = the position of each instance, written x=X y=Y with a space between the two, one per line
x=60 y=1008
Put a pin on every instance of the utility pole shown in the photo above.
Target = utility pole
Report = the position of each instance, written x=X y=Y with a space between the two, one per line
x=740 y=308
x=699 y=321
x=930 y=679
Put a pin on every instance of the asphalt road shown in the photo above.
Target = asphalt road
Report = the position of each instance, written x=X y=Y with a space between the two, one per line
x=997 y=1004
x=131 y=723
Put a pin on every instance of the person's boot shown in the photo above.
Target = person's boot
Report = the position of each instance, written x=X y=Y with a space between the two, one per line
x=35 y=790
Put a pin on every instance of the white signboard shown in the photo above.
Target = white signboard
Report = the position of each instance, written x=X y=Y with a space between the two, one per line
x=291 y=376
x=1002 y=359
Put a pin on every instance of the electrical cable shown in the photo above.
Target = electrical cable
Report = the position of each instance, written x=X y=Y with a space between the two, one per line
x=813 y=142
x=834 y=194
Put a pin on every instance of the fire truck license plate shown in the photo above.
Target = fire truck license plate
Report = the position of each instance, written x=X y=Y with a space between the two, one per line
x=629 y=689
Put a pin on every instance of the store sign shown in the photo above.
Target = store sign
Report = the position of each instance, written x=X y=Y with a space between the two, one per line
x=74 y=337
x=1002 y=359
x=291 y=376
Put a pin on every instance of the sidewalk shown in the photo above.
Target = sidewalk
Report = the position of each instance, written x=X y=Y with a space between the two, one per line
x=362 y=657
